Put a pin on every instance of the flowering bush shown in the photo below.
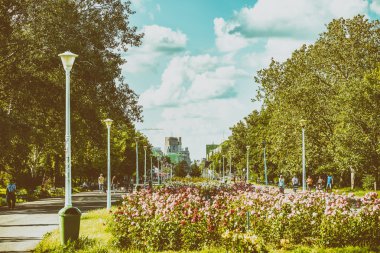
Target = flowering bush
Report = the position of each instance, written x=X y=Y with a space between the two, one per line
x=242 y=217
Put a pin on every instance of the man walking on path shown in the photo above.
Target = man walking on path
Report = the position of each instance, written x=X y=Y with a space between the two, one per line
x=101 y=182
x=329 y=183
x=11 y=194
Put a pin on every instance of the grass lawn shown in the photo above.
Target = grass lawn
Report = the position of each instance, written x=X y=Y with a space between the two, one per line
x=356 y=191
x=95 y=238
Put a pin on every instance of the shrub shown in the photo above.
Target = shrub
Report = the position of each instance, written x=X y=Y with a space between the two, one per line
x=368 y=182
x=188 y=217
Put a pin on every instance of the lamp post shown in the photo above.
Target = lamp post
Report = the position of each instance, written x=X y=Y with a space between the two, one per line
x=265 y=164
x=303 y=124
x=171 y=172
x=151 y=168
x=223 y=168
x=248 y=147
x=158 y=174
x=137 y=161
x=145 y=147
x=108 y=124
x=230 y=153
x=68 y=59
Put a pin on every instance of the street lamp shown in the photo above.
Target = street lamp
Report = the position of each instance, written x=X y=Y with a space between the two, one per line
x=145 y=147
x=223 y=167
x=137 y=161
x=230 y=153
x=68 y=59
x=151 y=168
x=108 y=124
x=248 y=147
x=265 y=164
x=158 y=175
x=303 y=124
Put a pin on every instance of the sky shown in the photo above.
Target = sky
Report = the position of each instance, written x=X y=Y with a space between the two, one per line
x=194 y=72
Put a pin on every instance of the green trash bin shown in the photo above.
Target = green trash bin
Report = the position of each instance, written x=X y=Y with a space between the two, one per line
x=69 y=223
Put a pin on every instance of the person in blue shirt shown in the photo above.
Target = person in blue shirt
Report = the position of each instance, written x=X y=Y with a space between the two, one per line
x=329 y=183
x=11 y=194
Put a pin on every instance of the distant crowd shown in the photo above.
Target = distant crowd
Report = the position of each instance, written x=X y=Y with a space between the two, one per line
x=320 y=185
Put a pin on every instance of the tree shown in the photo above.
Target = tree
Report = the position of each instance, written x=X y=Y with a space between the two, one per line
x=333 y=85
x=32 y=89
x=195 y=170
x=181 y=169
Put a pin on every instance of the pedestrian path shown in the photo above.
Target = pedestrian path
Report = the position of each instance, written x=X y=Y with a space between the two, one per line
x=22 y=228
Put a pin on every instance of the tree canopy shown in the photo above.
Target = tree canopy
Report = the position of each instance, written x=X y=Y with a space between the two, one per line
x=333 y=84
x=32 y=88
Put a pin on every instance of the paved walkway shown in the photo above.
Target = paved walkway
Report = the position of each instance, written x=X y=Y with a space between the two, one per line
x=22 y=228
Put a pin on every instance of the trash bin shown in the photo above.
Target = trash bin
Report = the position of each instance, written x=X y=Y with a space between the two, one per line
x=69 y=222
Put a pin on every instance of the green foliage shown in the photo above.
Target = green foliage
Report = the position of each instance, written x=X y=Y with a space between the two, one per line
x=243 y=242
x=32 y=90
x=181 y=169
x=96 y=239
x=195 y=170
x=190 y=179
x=368 y=182
x=333 y=84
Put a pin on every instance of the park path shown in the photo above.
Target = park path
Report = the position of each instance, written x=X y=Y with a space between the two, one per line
x=22 y=229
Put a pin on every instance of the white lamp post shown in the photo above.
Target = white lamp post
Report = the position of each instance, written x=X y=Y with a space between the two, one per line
x=158 y=175
x=108 y=124
x=230 y=153
x=145 y=147
x=265 y=165
x=303 y=124
x=151 y=168
x=137 y=161
x=68 y=59
x=223 y=167
x=248 y=147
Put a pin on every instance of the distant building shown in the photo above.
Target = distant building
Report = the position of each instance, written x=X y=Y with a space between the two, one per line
x=157 y=151
x=173 y=148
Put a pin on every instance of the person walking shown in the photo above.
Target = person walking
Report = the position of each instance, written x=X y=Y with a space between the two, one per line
x=329 y=183
x=281 y=184
x=101 y=183
x=309 y=183
x=11 y=194
x=319 y=184
x=295 y=183
x=114 y=183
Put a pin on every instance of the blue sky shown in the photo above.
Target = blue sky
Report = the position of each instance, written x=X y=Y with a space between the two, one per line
x=194 y=72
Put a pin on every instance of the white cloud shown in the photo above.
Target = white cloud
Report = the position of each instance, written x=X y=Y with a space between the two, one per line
x=212 y=84
x=279 y=49
x=292 y=18
x=375 y=6
x=163 y=39
x=189 y=79
x=158 y=42
x=203 y=122
x=226 y=42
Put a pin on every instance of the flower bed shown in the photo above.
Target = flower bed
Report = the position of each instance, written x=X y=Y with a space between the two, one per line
x=243 y=218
